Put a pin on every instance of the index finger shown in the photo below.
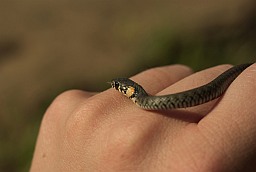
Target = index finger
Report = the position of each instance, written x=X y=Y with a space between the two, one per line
x=158 y=78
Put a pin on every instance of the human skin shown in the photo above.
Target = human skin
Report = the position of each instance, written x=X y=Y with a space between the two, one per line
x=84 y=131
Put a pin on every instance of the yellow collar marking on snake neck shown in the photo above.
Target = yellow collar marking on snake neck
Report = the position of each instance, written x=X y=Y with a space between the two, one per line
x=130 y=91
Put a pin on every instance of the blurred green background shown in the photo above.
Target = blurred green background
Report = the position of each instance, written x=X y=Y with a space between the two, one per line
x=47 y=47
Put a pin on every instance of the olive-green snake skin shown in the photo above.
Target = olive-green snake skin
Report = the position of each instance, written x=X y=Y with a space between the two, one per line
x=189 y=98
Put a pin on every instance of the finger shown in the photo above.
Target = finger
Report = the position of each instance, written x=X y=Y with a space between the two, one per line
x=71 y=98
x=156 y=79
x=195 y=80
x=64 y=105
x=233 y=120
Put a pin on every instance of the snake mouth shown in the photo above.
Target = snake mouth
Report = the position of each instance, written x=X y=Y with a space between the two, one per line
x=114 y=84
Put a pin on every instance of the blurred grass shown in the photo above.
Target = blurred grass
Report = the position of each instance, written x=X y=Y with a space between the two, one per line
x=121 y=41
x=208 y=47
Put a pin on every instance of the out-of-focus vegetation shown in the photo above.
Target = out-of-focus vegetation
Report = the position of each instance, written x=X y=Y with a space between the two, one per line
x=48 y=47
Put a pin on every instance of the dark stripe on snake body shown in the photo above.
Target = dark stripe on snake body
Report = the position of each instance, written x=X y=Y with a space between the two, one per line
x=189 y=98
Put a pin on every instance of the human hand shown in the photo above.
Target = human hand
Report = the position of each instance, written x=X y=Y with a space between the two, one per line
x=83 y=131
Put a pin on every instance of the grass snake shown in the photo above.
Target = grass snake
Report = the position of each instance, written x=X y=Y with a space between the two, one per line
x=189 y=98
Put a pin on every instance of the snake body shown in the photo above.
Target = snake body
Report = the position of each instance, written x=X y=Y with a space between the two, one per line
x=189 y=98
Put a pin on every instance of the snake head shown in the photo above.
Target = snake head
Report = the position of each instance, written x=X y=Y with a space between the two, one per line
x=125 y=86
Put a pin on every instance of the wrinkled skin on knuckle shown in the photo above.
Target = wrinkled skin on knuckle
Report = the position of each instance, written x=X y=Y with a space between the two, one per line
x=65 y=128
x=50 y=136
x=62 y=105
x=85 y=132
x=80 y=126
x=58 y=112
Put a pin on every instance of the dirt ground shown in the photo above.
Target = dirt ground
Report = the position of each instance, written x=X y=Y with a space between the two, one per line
x=47 y=47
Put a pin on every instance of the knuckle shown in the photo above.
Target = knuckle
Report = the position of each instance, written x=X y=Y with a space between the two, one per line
x=67 y=96
x=61 y=107
x=79 y=122
x=81 y=126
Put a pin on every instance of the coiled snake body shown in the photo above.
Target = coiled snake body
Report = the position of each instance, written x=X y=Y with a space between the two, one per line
x=189 y=98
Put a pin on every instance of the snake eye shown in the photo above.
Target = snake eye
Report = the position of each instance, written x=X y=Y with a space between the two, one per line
x=116 y=85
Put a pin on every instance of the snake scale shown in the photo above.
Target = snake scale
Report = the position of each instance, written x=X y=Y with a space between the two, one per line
x=189 y=98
